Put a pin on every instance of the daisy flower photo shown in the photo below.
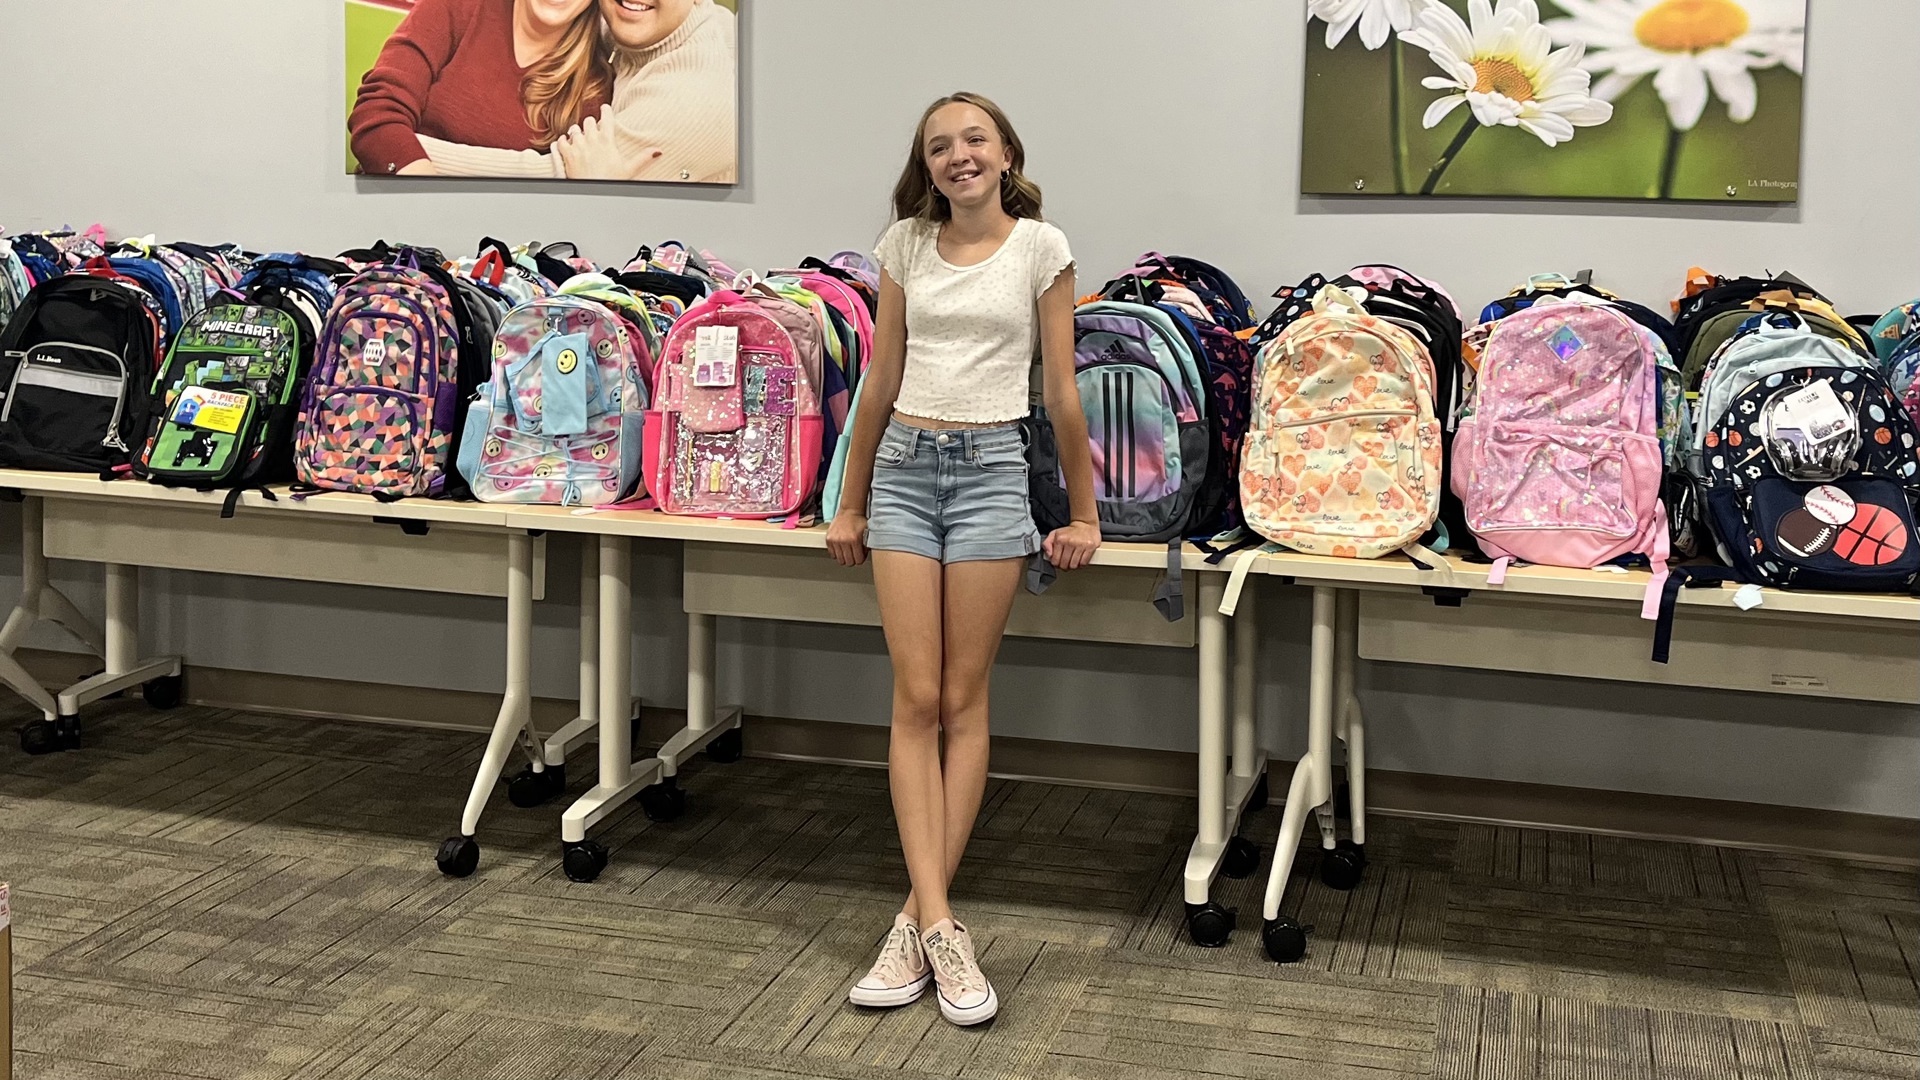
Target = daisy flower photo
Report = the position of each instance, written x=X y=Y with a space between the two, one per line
x=1624 y=99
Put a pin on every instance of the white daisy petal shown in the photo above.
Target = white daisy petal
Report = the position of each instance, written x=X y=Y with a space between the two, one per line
x=1683 y=86
x=1734 y=85
x=1610 y=87
x=1438 y=111
x=1375 y=25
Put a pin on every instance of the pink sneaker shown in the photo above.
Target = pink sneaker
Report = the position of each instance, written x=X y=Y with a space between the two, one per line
x=901 y=974
x=966 y=998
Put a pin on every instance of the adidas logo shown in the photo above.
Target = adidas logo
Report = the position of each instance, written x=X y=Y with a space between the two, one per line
x=1115 y=352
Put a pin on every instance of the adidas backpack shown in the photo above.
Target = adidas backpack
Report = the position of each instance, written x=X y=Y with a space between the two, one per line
x=1343 y=457
x=1558 y=457
x=735 y=425
x=377 y=414
x=77 y=360
x=1146 y=411
x=560 y=421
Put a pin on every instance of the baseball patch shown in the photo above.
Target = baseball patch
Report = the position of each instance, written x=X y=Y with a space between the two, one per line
x=1830 y=505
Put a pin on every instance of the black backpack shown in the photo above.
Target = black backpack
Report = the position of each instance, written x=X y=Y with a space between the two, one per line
x=77 y=360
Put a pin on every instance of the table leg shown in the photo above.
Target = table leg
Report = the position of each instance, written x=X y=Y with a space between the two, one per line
x=1310 y=785
x=585 y=727
x=1208 y=923
x=1353 y=725
x=39 y=601
x=158 y=676
x=460 y=855
x=620 y=780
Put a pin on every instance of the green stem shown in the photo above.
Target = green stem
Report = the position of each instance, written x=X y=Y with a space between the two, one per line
x=1670 y=165
x=1395 y=107
x=1452 y=151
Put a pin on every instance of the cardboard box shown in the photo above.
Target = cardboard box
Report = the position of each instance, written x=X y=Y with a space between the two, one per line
x=6 y=986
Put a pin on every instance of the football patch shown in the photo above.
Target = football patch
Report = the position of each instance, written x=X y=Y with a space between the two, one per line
x=1803 y=535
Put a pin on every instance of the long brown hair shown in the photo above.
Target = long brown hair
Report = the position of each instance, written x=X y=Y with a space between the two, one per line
x=915 y=196
x=559 y=85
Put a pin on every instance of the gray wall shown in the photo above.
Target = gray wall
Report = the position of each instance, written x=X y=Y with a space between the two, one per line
x=224 y=121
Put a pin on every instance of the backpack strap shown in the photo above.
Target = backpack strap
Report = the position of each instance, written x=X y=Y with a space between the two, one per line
x=1690 y=577
x=1169 y=596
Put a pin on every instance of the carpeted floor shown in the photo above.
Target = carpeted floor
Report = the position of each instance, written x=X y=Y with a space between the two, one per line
x=211 y=894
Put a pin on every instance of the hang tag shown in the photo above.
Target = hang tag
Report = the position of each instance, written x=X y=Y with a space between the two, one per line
x=1814 y=411
x=1748 y=597
x=716 y=356
x=1811 y=434
x=716 y=476
x=210 y=410
x=672 y=259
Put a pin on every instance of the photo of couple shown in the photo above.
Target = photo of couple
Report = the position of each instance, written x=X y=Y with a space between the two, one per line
x=567 y=89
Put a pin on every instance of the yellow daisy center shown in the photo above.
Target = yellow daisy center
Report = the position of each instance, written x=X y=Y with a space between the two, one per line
x=1494 y=75
x=1679 y=26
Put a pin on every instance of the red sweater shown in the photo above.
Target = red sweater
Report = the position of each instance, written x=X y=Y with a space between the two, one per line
x=448 y=71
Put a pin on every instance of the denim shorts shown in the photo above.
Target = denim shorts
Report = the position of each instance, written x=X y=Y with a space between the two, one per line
x=955 y=496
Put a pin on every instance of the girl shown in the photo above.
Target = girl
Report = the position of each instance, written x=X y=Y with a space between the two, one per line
x=510 y=74
x=971 y=280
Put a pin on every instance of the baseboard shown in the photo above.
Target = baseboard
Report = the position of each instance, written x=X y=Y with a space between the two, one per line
x=1453 y=798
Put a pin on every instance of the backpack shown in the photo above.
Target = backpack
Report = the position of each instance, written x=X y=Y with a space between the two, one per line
x=1343 y=457
x=377 y=414
x=737 y=433
x=227 y=399
x=1835 y=525
x=1558 y=458
x=1225 y=365
x=1706 y=320
x=1889 y=333
x=14 y=282
x=77 y=360
x=1147 y=422
x=560 y=420
x=1218 y=292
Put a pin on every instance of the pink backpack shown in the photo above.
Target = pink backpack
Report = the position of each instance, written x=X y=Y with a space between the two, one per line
x=1557 y=456
x=739 y=435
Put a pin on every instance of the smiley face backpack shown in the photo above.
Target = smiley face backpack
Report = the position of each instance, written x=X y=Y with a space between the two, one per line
x=560 y=421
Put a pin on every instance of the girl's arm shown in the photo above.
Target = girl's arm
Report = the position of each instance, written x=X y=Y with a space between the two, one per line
x=878 y=389
x=460 y=159
x=1072 y=546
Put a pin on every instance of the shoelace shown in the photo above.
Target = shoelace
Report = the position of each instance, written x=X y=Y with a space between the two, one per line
x=895 y=953
x=956 y=964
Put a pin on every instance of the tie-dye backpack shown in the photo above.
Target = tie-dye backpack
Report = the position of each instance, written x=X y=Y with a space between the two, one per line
x=1559 y=456
x=735 y=427
x=1343 y=457
x=560 y=421
x=377 y=413
x=1146 y=411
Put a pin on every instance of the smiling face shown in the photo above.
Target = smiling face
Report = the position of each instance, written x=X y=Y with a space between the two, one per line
x=964 y=153
x=642 y=24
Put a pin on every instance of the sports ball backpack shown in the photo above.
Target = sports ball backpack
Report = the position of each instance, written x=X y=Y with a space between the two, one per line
x=77 y=361
x=1811 y=477
x=377 y=414
x=561 y=419
x=735 y=426
x=1343 y=457
x=1146 y=410
x=1558 y=457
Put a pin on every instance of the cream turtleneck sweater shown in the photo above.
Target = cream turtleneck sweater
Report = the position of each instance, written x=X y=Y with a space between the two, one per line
x=680 y=96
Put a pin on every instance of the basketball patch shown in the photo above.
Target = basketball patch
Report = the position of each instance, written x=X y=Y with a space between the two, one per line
x=1875 y=536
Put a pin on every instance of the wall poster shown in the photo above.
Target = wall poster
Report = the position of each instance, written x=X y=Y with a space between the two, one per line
x=555 y=89
x=1617 y=99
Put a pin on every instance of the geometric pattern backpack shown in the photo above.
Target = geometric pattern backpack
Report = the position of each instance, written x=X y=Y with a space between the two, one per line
x=1343 y=457
x=735 y=426
x=378 y=412
x=560 y=421
x=1558 y=456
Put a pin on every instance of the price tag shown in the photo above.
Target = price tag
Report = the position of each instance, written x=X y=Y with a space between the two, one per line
x=716 y=356
x=210 y=410
x=1814 y=411
x=672 y=259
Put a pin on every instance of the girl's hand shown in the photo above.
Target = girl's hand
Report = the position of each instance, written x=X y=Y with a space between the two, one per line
x=1072 y=546
x=422 y=167
x=847 y=538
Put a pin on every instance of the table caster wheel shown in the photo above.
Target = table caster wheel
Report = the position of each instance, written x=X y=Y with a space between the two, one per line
x=583 y=861
x=1209 y=924
x=1241 y=858
x=458 y=856
x=726 y=748
x=163 y=692
x=528 y=789
x=664 y=801
x=1342 y=867
x=1257 y=801
x=39 y=737
x=1285 y=940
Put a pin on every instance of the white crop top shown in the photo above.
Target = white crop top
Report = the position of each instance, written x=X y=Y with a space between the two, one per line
x=971 y=330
